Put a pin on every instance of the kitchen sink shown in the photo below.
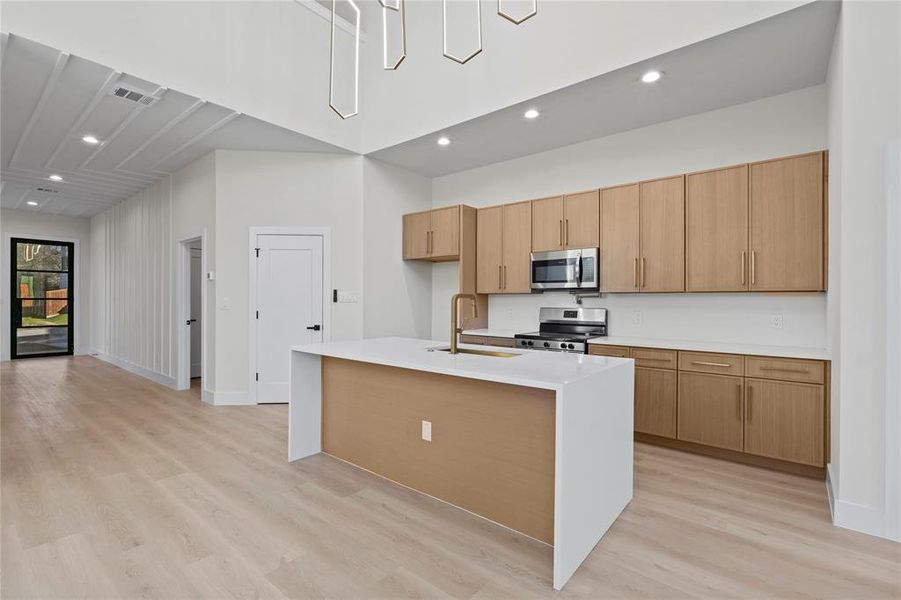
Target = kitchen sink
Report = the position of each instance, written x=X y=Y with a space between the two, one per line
x=479 y=352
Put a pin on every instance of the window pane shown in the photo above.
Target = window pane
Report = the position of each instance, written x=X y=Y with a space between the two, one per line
x=42 y=256
x=41 y=339
x=44 y=312
x=38 y=285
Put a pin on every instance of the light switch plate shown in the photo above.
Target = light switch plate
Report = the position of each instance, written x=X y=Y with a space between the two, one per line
x=776 y=321
x=637 y=317
x=427 y=431
x=347 y=297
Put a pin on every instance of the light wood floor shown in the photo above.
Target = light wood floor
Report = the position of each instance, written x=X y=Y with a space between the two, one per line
x=115 y=487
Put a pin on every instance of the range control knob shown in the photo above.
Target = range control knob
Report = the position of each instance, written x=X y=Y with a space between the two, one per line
x=570 y=346
x=530 y=343
x=547 y=345
x=563 y=346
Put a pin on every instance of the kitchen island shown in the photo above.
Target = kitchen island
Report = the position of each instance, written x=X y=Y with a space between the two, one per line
x=539 y=442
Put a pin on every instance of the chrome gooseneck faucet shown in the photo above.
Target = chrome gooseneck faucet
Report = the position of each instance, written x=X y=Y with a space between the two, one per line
x=454 y=311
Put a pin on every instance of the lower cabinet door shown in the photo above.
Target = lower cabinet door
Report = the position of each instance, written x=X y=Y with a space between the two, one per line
x=710 y=410
x=785 y=420
x=655 y=402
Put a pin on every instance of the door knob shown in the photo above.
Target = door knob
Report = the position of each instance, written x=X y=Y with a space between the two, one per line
x=314 y=327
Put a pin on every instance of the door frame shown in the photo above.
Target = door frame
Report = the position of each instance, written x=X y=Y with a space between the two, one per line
x=183 y=313
x=323 y=232
x=6 y=291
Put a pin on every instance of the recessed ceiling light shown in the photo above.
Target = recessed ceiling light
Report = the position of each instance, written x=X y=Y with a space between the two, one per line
x=532 y=113
x=443 y=141
x=90 y=139
x=31 y=203
x=55 y=178
x=651 y=76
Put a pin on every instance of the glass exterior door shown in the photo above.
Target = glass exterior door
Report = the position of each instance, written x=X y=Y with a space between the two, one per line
x=42 y=319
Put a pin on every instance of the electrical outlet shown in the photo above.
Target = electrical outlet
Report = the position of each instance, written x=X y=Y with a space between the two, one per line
x=427 y=431
x=637 y=317
x=776 y=321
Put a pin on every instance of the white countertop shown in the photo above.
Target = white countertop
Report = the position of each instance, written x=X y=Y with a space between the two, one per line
x=498 y=333
x=546 y=370
x=722 y=347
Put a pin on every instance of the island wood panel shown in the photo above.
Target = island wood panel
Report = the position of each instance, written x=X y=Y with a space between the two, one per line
x=619 y=239
x=492 y=448
x=655 y=402
x=787 y=219
x=446 y=232
x=547 y=224
x=716 y=225
x=517 y=245
x=490 y=249
x=662 y=235
x=416 y=235
x=581 y=220
x=710 y=410
x=785 y=421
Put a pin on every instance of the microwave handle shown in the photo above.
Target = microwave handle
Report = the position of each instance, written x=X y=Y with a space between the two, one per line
x=579 y=269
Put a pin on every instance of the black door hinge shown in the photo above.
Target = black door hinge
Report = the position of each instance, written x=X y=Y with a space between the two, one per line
x=258 y=377
x=258 y=315
x=257 y=251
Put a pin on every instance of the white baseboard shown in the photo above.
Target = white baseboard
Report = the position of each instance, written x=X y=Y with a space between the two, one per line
x=865 y=519
x=232 y=399
x=206 y=396
x=159 y=378
x=830 y=494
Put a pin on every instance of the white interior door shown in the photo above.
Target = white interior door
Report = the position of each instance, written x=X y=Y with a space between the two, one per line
x=196 y=329
x=289 y=305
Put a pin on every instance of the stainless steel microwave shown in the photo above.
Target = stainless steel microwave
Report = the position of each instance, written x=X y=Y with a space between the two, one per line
x=565 y=269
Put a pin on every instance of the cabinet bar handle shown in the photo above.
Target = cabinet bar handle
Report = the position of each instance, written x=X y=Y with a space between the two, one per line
x=635 y=273
x=744 y=274
x=652 y=359
x=750 y=397
x=560 y=233
x=505 y=276
x=644 y=268
x=785 y=370
x=753 y=267
x=499 y=283
x=710 y=364
x=566 y=232
x=739 y=402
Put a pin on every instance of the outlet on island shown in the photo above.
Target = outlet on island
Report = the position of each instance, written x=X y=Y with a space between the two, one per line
x=427 y=431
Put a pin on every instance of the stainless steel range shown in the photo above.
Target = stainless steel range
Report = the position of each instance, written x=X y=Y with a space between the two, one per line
x=565 y=329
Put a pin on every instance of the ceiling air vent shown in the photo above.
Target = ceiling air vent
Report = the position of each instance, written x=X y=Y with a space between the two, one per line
x=47 y=190
x=133 y=95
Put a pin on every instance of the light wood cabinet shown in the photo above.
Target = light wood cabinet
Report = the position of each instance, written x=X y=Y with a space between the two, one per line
x=490 y=249
x=710 y=410
x=581 y=220
x=617 y=351
x=662 y=235
x=562 y=222
x=517 y=247
x=432 y=235
x=655 y=402
x=504 y=242
x=417 y=235
x=784 y=420
x=787 y=219
x=654 y=357
x=547 y=224
x=619 y=239
x=716 y=229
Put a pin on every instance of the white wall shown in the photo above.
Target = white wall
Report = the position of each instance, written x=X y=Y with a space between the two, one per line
x=133 y=249
x=398 y=294
x=864 y=130
x=23 y=223
x=281 y=189
x=781 y=125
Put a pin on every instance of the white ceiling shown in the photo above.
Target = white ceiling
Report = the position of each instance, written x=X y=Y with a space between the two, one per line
x=783 y=53
x=49 y=100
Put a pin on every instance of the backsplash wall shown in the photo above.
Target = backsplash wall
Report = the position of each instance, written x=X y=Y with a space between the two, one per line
x=782 y=125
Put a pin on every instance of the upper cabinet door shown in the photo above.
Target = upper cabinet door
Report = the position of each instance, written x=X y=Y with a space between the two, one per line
x=662 y=267
x=417 y=236
x=489 y=250
x=787 y=220
x=619 y=239
x=517 y=245
x=446 y=232
x=716 y=225
x=581 y=220
x=547 y=224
